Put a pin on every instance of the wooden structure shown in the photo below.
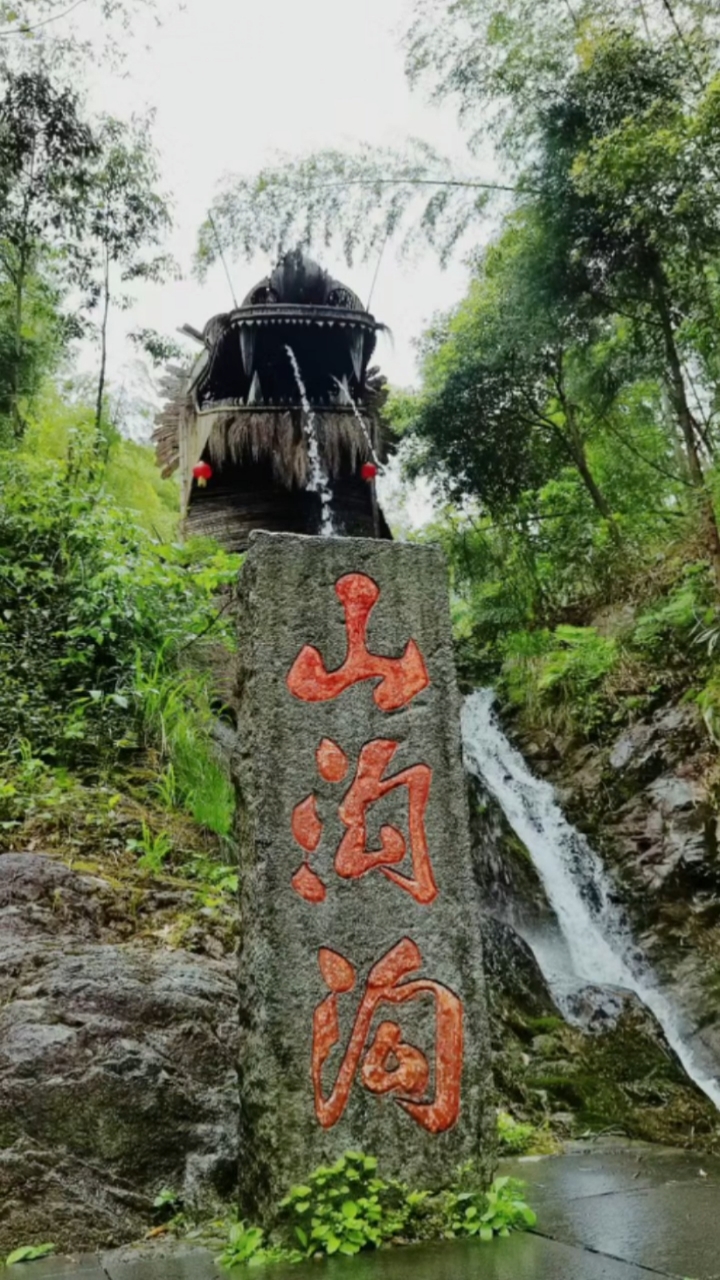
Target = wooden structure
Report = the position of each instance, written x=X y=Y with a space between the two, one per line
x=239 y=410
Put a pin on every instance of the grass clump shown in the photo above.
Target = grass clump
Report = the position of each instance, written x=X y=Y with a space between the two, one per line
x=558 y=676
x=518 y=1138
x=175 y=712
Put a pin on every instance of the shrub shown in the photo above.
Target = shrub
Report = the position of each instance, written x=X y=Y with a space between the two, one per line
x=95 y=617
x=513 y=1136
x=495 y=1212
x=557 y=676
x=347 y=1207
x=662 y=632
x=516 y=1138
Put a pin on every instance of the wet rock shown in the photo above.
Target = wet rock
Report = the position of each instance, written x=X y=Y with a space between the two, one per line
x=509 y=884
x=512 y=973
x=648 y=803
x=598 y=1009
x=604 y=1063
x=647 y=748
x=116 y=1066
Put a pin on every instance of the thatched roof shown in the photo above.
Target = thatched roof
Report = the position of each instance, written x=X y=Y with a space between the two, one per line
x=299 y=338
x=246 y=435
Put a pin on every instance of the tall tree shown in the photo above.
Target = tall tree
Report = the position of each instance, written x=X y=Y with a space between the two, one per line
x=501 y=412
x=498 y=62
x=128 y=217
x=628 y=187
x=57 y=32
x=46 y=155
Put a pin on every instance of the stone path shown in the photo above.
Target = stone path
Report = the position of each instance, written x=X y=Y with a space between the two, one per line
x=612 y=1215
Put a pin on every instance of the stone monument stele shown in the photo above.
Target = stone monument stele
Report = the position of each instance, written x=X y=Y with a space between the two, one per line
x=362 y=1011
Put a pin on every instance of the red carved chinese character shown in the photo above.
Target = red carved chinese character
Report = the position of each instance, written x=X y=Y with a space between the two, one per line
x=401 y=678
x=390 y=1065
x=353 y=858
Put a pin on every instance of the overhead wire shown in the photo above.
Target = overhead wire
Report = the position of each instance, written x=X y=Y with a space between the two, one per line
x=218 y=242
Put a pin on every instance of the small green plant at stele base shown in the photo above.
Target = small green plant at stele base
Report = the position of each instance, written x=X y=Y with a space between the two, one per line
x=29 y=1253
x=247 y=1246
x=168 y=1205
x=347 y=1207
x=485 y=1214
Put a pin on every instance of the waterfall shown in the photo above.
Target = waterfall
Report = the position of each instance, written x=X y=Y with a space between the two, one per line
x=600 y=947
x=318 y=480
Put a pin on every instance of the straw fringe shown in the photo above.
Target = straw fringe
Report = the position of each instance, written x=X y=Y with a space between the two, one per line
x=244 y=436
x=279 y=436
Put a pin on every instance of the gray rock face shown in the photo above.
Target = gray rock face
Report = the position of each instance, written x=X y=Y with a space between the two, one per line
x=647 y=802
x=116 y=1066
x=361 y=990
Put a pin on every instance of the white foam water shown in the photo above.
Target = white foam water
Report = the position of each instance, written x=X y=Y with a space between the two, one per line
x=318 y=479
x=598 y=943
x=345 y=390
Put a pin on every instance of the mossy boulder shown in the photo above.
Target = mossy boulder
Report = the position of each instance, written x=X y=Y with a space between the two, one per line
x=615 y=1072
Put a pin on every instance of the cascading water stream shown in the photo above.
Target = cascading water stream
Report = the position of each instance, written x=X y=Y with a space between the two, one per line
x=599 y=944
x=344 y=389
x=318 y=480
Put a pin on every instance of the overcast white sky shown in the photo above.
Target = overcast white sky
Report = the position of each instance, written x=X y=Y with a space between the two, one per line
x=235 y=81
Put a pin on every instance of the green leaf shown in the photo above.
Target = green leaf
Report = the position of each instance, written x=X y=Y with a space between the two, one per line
x=29 y=1253
x=486 y=1234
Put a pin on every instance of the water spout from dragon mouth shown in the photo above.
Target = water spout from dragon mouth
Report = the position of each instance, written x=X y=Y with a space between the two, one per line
x=318 y=479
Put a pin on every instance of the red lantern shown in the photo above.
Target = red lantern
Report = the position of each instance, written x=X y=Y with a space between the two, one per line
x=368 y=471
x=202 y=473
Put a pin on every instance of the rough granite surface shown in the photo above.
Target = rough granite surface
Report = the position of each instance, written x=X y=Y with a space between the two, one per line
x=288 y=600
x=116 y=1067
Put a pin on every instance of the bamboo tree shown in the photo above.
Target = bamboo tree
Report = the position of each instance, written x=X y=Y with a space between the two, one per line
x=46 y=150
x=128 y=218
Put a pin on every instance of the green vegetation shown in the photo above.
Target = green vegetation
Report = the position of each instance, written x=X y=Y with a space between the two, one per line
x=568 y=412
x=108 y=627
x=29 y=1253
x=347 y=1207
x=516 y=1138
x=95 y=615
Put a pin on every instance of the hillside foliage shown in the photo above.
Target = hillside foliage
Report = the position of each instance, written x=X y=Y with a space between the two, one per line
x=104 y=619
x=567 y=416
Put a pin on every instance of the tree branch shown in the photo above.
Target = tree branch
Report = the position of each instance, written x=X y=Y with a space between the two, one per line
x=418 y=182
x=22 y=30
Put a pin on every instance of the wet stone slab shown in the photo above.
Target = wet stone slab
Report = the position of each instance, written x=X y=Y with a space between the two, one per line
x=673 y=1229
x=362 y=1006
x=639 y=1167
x=656 y=1209
x=522 y=1257
x=596 y=1223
